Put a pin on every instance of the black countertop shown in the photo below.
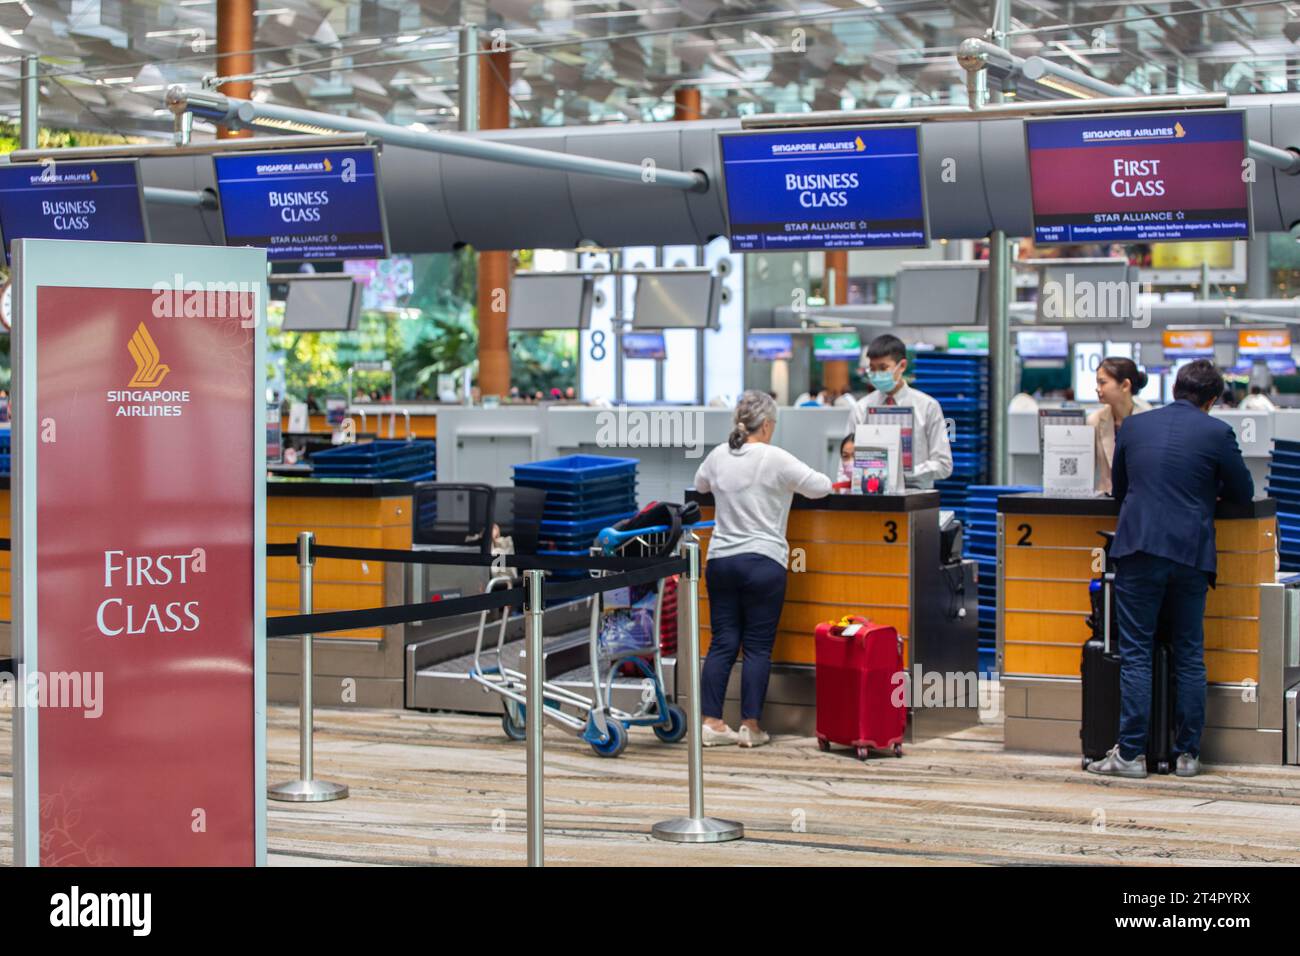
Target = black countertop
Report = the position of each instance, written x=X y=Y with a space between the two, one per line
x=908 y=501
x=1037 y=503
x=337 y=488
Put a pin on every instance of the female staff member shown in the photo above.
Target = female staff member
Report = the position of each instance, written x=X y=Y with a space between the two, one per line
x=1118 y=382
x=753 y=483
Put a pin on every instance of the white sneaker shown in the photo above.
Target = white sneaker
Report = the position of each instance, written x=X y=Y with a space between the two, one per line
x=752 y=738
x=717 y=738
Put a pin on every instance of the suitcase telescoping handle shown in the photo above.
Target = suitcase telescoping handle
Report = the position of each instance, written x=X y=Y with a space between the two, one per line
x=1107 y=591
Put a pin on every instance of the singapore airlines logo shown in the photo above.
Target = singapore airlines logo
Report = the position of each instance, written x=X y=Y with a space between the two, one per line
x=149 y=372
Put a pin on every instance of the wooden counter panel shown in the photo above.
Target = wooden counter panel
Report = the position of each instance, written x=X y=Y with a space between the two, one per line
x=1057 y=661
x=1059 y=531
x=802 y=617
x=325 y=596
x=792 y=647
x=1227 y=667
x=1232 y=600
x=1231 y=634
x=339 y=537
x=1046 y=596
x=854 y=558
x=1259 y=534
x=328 y=569
x=1046 y=563
x=862 y=526
x=351 y=512
x=850 y=590
x=1069 y=628
x=1246 y=568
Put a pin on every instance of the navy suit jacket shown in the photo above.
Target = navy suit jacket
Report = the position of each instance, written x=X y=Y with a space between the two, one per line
x=1171 y=465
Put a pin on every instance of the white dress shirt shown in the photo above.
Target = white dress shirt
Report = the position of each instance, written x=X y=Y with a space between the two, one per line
x=931 y=450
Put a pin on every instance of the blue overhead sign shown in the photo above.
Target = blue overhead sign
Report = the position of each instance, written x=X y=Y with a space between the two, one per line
x=845 y=188
x=99 y=200
x=304 y=205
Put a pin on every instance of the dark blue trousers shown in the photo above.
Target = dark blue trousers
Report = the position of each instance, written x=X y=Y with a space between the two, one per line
x=746 y=592
x=1143 y=583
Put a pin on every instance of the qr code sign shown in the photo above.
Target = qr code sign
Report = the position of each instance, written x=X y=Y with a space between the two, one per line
x=1069 y=466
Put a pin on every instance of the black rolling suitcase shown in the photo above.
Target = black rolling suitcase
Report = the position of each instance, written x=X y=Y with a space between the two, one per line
x=1099 y=727
x=1160 y=732
x=1100 y=672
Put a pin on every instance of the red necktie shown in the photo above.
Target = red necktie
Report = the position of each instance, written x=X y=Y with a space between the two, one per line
x=889 y=400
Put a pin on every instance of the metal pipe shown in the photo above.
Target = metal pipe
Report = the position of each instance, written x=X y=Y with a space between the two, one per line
x=1283 y=160
x=227 y=110
x=534 y=719
x=467 y=68
x=696 y=827
x=1001 y=364
x=1119 y=104
x=30 y=103
x=193 y=198
x=1046 y=73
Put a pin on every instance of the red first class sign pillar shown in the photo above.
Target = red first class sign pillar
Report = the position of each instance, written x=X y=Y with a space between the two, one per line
x=139 y=534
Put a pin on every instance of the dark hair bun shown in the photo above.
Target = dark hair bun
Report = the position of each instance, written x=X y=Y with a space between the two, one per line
x=1141 y=380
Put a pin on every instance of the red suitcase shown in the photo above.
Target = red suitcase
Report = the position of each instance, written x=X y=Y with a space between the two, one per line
x=860 y=704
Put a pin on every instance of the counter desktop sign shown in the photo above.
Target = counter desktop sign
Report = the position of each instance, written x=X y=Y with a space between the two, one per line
x=1145 y=177
x=138 y=516
x=843 y=188
x=304 y=205
x=100 y=200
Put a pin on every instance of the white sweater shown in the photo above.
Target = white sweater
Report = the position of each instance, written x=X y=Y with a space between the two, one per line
x=752 y=489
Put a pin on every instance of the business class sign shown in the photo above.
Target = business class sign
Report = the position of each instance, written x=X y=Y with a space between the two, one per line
x=139 y=534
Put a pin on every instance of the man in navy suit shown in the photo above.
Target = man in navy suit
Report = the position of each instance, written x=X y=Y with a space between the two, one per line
x=1171 y=465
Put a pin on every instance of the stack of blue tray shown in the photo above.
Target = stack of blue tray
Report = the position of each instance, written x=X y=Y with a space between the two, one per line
x=4 y=451
x=980 y=542
x=960 y=383
x=374 y=460
x=584 y=494
x=1284 y=485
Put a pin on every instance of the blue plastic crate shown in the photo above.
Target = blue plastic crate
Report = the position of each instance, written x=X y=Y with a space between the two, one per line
x=576 y=468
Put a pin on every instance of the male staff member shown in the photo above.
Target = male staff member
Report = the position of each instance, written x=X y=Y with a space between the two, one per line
x=931 y=451
x=1170 y=466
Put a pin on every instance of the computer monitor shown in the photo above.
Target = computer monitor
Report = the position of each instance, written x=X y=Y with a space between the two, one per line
x=322 y=303
x=676 y=299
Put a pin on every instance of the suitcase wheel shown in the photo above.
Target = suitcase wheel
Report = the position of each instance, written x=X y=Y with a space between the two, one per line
x=898 y=750
x=1086 y=761
x=1162 y=767
x=823 y=745
x=864 y=753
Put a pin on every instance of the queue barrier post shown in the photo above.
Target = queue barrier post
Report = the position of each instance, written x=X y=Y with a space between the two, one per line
x=306 y=789
x=534 y=718
x=696 y=828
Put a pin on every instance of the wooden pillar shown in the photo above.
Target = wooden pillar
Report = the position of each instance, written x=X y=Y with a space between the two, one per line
x=235 y=53
x=835 y=375
x=494 y=267
x=686 y=103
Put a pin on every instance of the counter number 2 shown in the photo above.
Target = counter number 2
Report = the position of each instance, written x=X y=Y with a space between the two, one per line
x=1025 y=530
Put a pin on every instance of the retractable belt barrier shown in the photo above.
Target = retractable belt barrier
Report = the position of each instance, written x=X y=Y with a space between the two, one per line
x=629 y=571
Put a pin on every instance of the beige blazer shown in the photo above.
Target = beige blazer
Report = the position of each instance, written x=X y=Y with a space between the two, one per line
x=1104 y=422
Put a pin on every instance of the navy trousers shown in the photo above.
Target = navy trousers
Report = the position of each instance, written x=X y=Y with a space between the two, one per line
x=746 y=592
x=1143 y=583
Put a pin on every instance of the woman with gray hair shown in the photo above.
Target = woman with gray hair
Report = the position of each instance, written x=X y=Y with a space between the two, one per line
x=753 y=483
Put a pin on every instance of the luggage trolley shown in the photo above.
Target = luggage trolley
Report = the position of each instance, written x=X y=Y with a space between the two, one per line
x=595 y=720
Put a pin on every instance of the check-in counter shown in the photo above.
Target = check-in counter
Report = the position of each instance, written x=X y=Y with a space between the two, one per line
x=877 y=556
x=1050 y=548
x=379 y=420
x=357 y=514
